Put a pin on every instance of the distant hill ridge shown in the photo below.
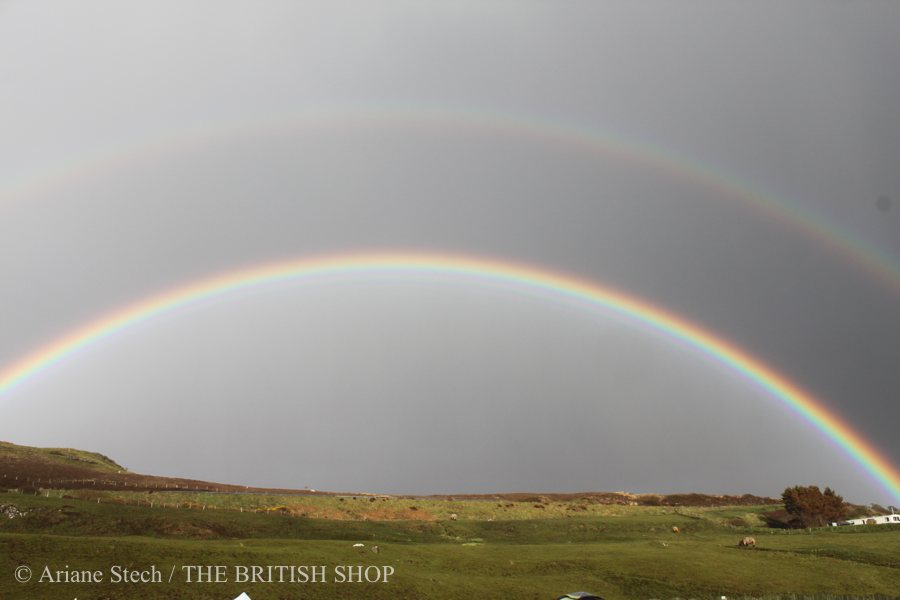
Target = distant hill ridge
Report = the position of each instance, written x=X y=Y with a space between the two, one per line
x=67 y=456
x=69 y=468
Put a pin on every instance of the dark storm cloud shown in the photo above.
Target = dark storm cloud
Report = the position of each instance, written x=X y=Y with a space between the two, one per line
x=439 y=386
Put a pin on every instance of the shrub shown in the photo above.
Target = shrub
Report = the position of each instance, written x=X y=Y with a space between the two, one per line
x=780 y=519
x=810 y=507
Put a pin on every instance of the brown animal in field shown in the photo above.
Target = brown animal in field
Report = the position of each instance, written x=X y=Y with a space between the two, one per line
x=747 y=542
x=675 y=529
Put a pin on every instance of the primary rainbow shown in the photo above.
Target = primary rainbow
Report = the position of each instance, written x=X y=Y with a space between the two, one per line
x=653 y=317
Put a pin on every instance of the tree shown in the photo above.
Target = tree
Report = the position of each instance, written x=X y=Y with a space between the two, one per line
x=811 y=507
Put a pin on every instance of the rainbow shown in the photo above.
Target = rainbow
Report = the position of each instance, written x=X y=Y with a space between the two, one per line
x=859 y=253
x=530 y=278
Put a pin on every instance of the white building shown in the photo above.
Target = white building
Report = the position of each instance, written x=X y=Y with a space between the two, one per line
x=875 y=520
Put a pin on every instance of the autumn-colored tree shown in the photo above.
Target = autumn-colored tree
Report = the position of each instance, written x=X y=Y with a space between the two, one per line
x=811 y=507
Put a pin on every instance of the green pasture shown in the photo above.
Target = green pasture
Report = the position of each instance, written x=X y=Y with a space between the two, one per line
x=487 y=551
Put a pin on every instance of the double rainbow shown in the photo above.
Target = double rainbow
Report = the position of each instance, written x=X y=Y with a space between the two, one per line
x=592 y=294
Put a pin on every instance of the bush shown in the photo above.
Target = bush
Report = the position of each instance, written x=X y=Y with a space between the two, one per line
x=810 y=507
x=779 y=519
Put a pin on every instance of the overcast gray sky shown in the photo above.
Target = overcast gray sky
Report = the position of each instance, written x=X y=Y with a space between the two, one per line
x=148 y=145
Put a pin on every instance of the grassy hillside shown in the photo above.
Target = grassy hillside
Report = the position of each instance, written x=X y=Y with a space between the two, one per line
x=12 y=453
x=67 y=468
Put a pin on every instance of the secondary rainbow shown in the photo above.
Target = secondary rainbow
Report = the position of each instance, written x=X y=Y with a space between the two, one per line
x=527 y=277
x=580 y=137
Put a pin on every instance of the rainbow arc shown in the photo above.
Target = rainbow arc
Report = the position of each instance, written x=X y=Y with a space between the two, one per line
x=579 y=137
x=590 y=293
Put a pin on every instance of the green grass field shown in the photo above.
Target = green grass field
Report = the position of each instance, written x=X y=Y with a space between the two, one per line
x=491 y=549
